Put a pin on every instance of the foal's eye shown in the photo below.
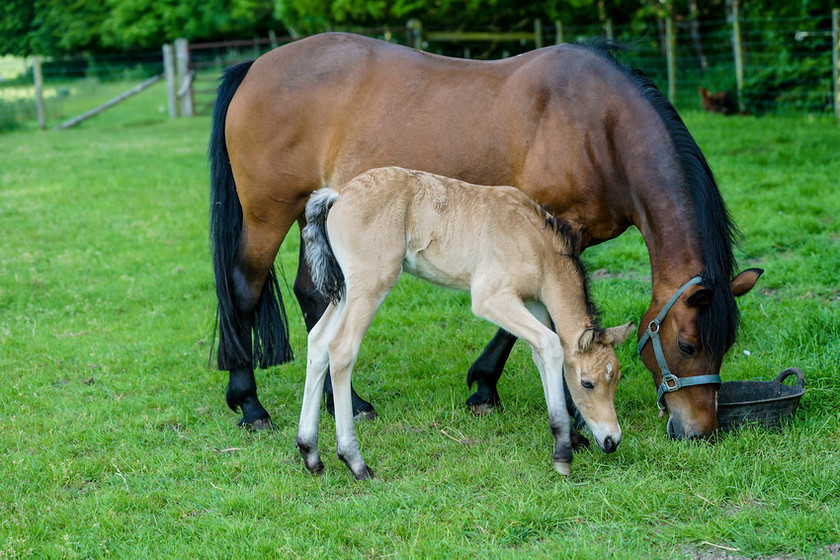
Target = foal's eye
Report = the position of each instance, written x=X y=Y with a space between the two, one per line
x=686 y=348
x=587 y=384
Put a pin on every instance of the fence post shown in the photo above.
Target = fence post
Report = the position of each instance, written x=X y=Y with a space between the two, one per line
x=835 y=49
x=737 y=52
x=538 y=38
x=39 y=92
x=671 y=57
x=182 y=71
x=169 y=72
x=414 y=33
x=558 y=30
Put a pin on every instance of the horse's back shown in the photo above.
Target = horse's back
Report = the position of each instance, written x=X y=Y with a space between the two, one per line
x=324 y=109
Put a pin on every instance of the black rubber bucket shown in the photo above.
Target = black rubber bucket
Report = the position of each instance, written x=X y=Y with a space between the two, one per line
x=761 y=403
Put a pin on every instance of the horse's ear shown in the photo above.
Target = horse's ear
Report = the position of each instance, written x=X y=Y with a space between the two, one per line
x=698 y=296
x=745 y=281
x=616 y=335
x=585 y=340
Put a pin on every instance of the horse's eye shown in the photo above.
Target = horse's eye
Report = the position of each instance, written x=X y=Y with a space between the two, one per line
x=686 y=348
x=587 y=384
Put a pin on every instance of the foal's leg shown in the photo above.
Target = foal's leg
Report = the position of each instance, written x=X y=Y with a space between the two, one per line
x=539 y=311
x=317 y=363
x=509 y=312
x=312 y=305
x=356 y=317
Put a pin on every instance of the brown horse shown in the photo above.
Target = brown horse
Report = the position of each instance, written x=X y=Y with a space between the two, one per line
x=517 y=261
x=595 y=143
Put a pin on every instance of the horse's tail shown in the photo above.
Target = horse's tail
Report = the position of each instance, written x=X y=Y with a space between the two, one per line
x=326 y=272
x=270 y=327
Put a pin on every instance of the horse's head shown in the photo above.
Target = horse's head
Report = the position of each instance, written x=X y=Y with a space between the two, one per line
x=592 y=372
x=683 y=345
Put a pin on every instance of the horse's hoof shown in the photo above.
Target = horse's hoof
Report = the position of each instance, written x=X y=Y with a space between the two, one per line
x=563 y=467
x=365 y=415
x=259 y=425
x=482 y=409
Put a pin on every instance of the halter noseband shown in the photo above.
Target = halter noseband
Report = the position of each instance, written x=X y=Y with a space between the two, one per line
x=671 y=382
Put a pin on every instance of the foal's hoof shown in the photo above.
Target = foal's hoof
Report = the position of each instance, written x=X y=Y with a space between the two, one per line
x=563 y=467
x=317 y=469
x=259 y=425
x=364 y=474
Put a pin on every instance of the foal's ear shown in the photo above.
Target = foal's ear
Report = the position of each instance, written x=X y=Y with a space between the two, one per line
x=616 y=335
x=585 y=340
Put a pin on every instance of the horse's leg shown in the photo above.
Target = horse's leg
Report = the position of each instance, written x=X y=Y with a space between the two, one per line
x=312 y=306
x=509 y=312
x=254 y=294
x=487 y=370
x=254 y=258
x=317 y=363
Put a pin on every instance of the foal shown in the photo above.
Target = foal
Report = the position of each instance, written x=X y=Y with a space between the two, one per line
x=522 y=272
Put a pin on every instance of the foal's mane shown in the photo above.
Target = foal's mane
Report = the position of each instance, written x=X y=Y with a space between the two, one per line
x=564 y=231
x=717 y=322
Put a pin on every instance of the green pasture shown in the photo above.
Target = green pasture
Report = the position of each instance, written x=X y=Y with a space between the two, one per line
x=115 y=440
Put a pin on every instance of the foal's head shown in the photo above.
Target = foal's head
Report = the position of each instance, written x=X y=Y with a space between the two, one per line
x=592 y=372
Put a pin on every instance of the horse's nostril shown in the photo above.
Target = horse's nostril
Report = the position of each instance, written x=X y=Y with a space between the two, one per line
x=609 y=445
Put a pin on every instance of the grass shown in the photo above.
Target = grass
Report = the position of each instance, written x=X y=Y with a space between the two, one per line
x=115 y=440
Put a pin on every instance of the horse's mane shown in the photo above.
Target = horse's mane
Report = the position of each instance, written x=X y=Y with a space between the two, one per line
x=717 y=322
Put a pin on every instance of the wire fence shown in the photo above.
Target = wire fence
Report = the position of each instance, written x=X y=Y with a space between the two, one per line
x=781 y=66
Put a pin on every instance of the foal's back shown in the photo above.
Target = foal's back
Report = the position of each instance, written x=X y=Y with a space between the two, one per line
x=445 y=230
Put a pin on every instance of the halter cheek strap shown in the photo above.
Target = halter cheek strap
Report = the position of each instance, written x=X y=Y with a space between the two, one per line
x=671 y=382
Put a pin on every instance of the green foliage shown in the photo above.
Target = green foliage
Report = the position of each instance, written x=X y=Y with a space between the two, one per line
x=116 y=441
x=57 y=27
x=789 y=85
x=13 y=113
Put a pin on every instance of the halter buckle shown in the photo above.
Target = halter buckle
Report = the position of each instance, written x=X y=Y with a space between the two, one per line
x=670 y=383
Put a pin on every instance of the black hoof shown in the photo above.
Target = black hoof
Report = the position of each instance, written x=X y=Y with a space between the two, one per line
x=365 y=416
x=259 y=425
x=366 y=474
x=578 y=441
x=484 y=401
x=362 y=410
x=483 y=409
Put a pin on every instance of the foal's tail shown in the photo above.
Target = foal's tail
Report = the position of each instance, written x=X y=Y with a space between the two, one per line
x=326 y=272
x=270 y=327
